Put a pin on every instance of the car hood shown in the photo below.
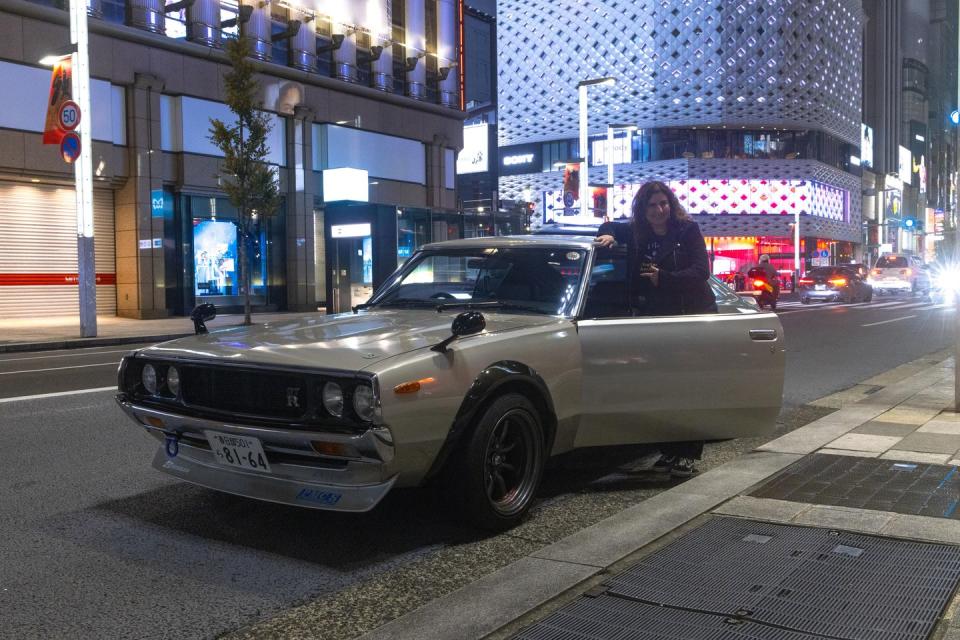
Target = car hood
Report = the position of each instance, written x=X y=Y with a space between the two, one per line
x=344 y=341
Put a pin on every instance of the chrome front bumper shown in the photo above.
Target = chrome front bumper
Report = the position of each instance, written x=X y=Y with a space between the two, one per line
x=299 y=476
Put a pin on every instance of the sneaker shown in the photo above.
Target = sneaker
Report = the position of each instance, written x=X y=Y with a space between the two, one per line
x=683 y=468
x=664 y=464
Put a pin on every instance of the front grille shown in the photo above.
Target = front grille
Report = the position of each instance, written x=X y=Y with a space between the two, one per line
x=256 y=393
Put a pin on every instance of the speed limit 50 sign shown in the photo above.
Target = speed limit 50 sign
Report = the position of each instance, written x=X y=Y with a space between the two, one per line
x=69 y=115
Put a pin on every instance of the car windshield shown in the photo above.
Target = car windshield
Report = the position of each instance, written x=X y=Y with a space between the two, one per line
x=524 y=279
x=891 y=262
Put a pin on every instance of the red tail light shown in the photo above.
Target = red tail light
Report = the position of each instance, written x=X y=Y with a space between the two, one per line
x=838 y=282
x=759 y=284
x=806 y=280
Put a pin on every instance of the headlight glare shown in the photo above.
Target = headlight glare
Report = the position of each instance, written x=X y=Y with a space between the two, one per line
x=333 y=399
x=363 y=402
x=173 y=381
x=149 y=379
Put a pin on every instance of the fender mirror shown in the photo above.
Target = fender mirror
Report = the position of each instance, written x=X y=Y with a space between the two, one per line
x=201 y=314
x=467 y=323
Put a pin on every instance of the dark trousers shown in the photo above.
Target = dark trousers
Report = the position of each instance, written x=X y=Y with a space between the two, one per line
x=683 y=449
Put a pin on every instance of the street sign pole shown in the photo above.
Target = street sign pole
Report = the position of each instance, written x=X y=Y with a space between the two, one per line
x=83 y=169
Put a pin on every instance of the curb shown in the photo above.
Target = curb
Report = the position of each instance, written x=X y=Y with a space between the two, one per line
x=81 y=343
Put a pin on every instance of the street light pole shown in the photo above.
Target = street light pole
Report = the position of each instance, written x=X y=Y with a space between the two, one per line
x=796 y=248
x=83 y=170
x=582 y=87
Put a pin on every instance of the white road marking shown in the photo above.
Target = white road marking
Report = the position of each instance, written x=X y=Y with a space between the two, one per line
x=65 y=355
x=54 y=395
x=873 y=324
x=76 y=366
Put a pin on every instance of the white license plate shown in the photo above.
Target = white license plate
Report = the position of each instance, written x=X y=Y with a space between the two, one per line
x=820 y=287
x=242 y=452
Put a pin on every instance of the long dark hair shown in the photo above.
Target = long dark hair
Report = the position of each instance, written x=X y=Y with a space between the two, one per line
x=641 y=228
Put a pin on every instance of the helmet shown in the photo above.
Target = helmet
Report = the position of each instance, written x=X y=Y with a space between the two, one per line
x=764 y=258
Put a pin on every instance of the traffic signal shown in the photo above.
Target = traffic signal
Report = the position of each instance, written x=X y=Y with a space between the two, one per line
x=911 y=224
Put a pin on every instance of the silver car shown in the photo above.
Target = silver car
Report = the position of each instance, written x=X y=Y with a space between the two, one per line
x=474 y=363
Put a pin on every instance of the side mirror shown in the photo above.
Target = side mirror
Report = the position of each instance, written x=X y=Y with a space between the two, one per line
x=467 y=323
x=200 y=314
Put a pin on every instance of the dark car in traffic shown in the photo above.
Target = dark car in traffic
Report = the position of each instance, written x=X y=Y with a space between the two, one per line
x=833 y=284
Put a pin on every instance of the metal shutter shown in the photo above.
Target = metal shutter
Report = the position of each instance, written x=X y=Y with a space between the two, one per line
x=38 y=251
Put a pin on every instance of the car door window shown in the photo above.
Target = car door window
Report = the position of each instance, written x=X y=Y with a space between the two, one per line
x=608 y=294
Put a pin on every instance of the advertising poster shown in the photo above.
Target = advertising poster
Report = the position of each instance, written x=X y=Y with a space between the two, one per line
x=904 y=165
x=571 y=185
x=892 y=204
x=61 y=90
x=866 y=146
x=215 y=258
x=473 y=157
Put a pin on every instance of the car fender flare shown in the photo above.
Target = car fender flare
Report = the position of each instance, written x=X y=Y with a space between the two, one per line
x=485 y=386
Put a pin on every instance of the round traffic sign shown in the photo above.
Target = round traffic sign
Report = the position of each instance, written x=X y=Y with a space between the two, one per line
x=68 y=117
x=70 y=147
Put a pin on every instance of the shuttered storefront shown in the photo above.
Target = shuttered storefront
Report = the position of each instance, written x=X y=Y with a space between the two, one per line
x=38 y=251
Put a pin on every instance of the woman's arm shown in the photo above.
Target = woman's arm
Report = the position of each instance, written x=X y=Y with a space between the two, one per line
x=619 y=231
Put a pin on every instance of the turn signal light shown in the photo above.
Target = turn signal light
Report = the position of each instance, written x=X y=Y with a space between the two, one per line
x=329 y=448
x=906 y=272
x=806 y=281
x=839 y=282
x=759 y=283
x=413 y=386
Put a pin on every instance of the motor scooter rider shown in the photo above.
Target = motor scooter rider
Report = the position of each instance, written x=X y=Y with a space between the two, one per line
x=772 y=277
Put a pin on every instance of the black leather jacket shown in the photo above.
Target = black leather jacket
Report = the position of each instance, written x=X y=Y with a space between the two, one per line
x=684 y=269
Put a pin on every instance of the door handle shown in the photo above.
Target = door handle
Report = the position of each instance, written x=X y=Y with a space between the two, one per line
x=764 y=335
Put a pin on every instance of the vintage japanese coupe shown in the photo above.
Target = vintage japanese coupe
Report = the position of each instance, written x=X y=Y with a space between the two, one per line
x=474 y=363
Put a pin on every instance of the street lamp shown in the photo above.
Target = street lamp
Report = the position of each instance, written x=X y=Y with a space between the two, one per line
x=83 y=166
x=582 y=87
x=610 y=129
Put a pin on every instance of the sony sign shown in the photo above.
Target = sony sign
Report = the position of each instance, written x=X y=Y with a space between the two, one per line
x=523 y=158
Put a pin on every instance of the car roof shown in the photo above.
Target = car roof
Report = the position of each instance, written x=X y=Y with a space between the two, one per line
x=573 y=242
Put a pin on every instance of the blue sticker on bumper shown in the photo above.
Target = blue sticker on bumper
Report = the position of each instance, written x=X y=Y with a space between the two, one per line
x=320 y=497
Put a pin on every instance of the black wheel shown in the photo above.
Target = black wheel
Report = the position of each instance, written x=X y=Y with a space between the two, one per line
x=869 y=296
x=502 y=464
x=773 y=305
x=804 y=300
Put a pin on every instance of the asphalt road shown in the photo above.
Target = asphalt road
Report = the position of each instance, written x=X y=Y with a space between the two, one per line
x=95 y=544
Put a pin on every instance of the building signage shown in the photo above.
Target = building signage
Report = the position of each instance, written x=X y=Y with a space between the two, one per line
x=521 y=159
x=622 y=150
x=904 y=165
x=866 y=146
x=474 y=157
x=346 y=184
x=350 y=230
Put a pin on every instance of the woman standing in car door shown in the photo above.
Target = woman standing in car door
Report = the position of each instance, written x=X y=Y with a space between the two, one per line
x=671 y=271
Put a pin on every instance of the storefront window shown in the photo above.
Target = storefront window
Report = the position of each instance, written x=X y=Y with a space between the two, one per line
x=215 y=258
x=413 y=231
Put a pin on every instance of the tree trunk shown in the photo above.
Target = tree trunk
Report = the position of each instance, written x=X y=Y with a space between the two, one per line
x=245 y=278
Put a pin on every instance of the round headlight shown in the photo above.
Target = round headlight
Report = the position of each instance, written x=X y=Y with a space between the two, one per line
x=149 y=378
x=363 y=402
x=333 y=399
x=173 y=381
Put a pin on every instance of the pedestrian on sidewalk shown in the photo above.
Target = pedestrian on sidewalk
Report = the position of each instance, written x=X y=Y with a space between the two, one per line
x=670 y=272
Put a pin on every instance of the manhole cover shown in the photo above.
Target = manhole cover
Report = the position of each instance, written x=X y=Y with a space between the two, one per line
x=733 y=578
x=869 y=483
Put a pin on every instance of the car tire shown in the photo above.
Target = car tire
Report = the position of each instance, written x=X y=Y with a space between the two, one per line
x=868 y=297
x=804 y=300
x=773 y=305
x=501 y=465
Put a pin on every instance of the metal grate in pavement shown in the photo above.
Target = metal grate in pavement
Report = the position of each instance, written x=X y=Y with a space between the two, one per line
x=869 y=483
x=610 y=617
x=808 y=580
x=733 y=579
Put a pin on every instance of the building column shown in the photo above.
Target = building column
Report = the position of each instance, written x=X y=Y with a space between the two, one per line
x=301 y=190
x=435 y=171
x=141 y=282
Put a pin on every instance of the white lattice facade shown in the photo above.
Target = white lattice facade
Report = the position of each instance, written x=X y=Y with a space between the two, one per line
x=684 y=64
x=784 y=63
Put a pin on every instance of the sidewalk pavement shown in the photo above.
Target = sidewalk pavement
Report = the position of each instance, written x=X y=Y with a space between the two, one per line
x=63 y=332
x=902 y=415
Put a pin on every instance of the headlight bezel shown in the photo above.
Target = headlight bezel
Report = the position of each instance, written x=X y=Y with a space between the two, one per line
x=364 y=393
x=335 y=388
